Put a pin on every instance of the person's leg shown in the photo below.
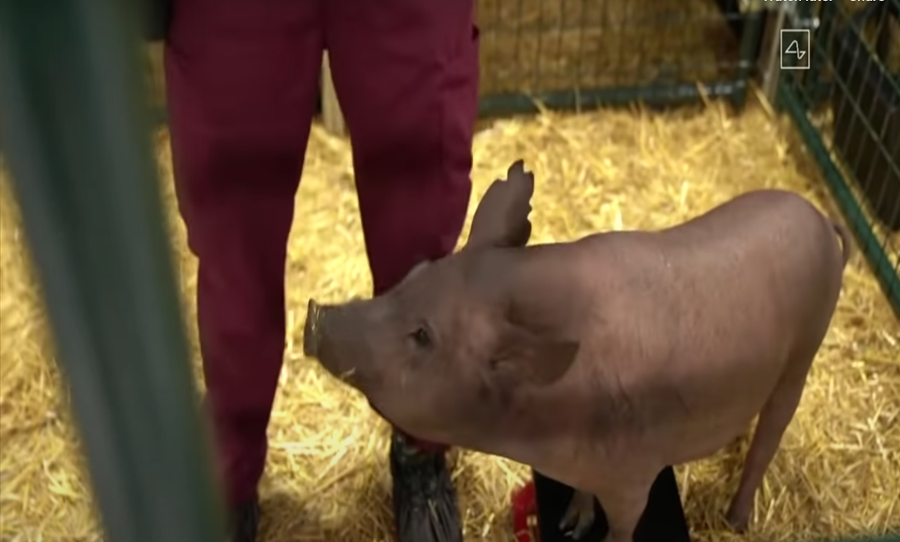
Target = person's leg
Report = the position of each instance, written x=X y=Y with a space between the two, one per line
x=242 y=77
x=406 y=75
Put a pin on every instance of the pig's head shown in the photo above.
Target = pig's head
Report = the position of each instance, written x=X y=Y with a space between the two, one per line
x=446 y=354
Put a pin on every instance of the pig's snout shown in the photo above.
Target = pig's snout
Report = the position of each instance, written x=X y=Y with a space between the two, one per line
x=311 y=330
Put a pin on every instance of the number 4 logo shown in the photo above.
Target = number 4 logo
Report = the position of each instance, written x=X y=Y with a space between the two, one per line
x=794 y=48
x=795 y=53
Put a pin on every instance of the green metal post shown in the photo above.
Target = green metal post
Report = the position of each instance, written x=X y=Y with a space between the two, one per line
x=815 y=88
x=751 y=34
x=75 y=130
x=656 y=95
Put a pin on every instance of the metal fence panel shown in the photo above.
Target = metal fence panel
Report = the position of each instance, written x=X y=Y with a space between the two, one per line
x=847 y=107
x=571 y=53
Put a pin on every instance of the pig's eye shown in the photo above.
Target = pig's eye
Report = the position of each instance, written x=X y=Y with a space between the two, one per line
x=421 y=337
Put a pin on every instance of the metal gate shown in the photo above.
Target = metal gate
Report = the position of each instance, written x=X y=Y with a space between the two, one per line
x=581 y=53
x=74 y=125
x=847 y=108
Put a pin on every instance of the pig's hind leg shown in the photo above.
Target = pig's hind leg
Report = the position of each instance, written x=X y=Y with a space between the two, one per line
x=774 y=419
x=579 y=516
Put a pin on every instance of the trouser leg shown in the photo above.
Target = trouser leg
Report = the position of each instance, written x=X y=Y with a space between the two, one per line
x=241 y=81
x=406 y=75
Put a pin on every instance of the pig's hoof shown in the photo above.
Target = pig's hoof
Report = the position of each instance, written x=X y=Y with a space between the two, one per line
x=579 y=516
x=738 y=521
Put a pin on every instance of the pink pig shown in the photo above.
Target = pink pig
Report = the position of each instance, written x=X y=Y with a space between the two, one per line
x=600 y=361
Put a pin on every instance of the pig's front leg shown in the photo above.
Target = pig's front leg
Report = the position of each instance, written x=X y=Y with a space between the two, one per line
x=579 y=516
x=624 y=501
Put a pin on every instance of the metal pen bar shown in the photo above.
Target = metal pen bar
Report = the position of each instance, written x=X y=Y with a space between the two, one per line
x=75 y=130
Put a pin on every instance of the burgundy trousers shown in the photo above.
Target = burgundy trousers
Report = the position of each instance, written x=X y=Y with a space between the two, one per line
x=242 y=79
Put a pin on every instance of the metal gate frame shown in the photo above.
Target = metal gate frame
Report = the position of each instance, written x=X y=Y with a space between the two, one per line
x=788 y=88
x=75 y=133
x=745 y=17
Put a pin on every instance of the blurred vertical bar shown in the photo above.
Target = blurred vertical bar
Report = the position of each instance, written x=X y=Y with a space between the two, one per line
x=816 y=88
x=751 y=36
x=75 y=128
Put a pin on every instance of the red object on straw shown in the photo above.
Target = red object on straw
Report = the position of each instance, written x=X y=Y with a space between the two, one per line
x=524 y=514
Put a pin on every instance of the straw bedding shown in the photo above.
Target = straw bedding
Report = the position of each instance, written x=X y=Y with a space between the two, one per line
x=837 y=471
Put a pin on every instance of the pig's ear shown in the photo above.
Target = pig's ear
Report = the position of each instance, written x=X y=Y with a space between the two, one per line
x=501 y=219
x=524 y=357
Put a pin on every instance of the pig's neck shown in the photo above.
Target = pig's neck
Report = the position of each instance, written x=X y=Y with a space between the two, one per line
x=558 y=423
x=551 y=430
x=545 y=284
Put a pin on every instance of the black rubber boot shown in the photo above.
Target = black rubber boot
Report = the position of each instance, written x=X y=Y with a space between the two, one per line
x=425 y=508
x=244 y=522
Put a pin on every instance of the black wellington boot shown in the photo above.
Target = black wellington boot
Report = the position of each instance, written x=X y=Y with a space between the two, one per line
x=425 y=508
x=244 y=522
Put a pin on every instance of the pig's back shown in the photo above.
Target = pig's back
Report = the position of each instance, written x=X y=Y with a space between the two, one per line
x=715 y=309
x=769 y=251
